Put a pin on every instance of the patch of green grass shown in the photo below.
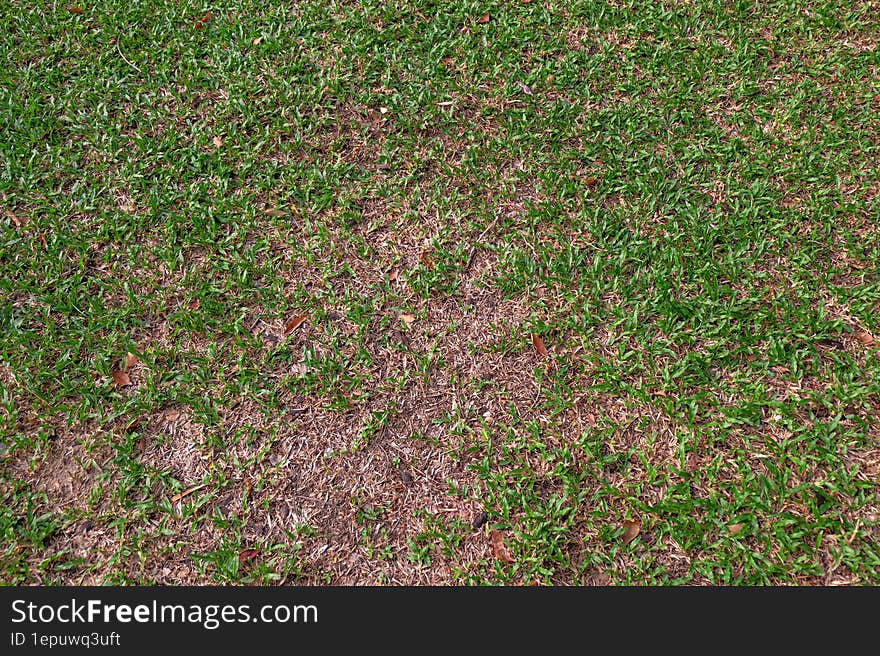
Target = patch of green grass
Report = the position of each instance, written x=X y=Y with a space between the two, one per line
x=680 y=200
x=26 y=526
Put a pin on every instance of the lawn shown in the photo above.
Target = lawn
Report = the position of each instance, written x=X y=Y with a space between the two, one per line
x=457 y=293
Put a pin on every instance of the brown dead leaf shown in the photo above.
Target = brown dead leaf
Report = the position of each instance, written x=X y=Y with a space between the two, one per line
x=631 y=530
x=257 y=41
x=736 y=529
x=866 y=338
x=14 y=217
x=538 y=343
x=182 y=495
x=73 y=9
x=130 y=360
x=274 y=211
x=591 y=181
x=425 y=258
x=121 y=378
x=141 y=445
x=202 y=22
x=407 y=318
x=133 y=424
x=194 y=304
x=393 y=275
x=246 y=555
x=172 y=415
x=295 y=323
x=485 y=18
x=218 y=142
x=499 y=548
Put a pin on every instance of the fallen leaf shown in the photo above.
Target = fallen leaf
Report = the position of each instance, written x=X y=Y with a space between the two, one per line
x=182 y=495
x=485 y=18
x=591 y=182
x=172 y=415
x=247 y=554
x=274 y=211
x=480 y=520
x=425 y=259
x=194 y=304
x=538 y=343
x=17 y=221
x=141 y=445
x=121 y=378
x=75 y=10
x=866 y=338
x=631 y=530
x=407 y=318
x=499 y=548
x=393 y=275
x=257 y=41
x=204 y=20
x=736 y=529
x=525 y=88
x=217 y=142
x=295 y=323
x=130 y=360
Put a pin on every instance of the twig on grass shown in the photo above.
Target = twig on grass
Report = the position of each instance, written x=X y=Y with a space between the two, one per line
x=473 y=251
x=119 y=50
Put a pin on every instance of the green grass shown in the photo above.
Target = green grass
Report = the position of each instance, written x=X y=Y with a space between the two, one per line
x=679 y=199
